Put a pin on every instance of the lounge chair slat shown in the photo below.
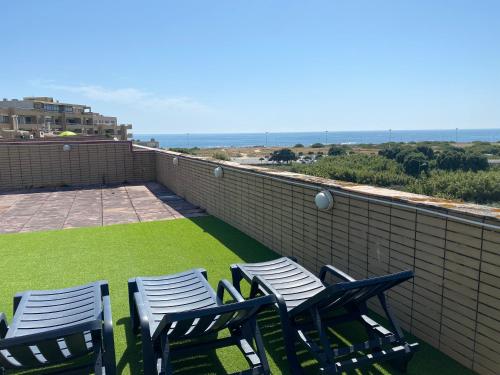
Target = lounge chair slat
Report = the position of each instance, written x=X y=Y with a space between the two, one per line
x=181 y=328
x=200 y=326
x=62 y=308
x=76 y=344
x=25 y=356
x=55 y=323
x=177 y=292
x=62 y=293
x=183 y=306
x=221 y=322
x=51 y=351
x=7 y=361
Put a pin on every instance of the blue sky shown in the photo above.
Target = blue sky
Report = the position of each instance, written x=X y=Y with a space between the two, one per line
x=262 y=65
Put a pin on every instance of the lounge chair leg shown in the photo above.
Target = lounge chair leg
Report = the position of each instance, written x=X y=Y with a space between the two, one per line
x=390 y=316
x=320 y=327
x=166 y=366
x=401 y=364
x=252 y=334
x=148 y=357
x=289 y=338
x=96 y=342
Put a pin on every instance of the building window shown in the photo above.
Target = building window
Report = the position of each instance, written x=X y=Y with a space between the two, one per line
x=51 y=107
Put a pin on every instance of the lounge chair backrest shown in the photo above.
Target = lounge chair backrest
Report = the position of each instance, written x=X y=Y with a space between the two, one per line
x=353 y=293
x=192 y=324
x=185 y=306
x=38 y=338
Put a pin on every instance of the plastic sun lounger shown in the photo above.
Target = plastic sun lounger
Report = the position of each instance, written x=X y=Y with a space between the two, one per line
x=306 y=303
x=178 y=314
x=53 y=327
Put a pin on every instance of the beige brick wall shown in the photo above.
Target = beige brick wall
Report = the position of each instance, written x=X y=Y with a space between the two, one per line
x=453 y=302
x=45 y=164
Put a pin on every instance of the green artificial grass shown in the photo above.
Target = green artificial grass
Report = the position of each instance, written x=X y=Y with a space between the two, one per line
x=57 y=259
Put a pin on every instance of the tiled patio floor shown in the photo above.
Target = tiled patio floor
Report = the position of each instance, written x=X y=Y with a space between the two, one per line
x=70 y=208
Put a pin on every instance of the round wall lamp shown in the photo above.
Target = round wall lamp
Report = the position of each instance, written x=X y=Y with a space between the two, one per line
x=324 y=200
x=66 y=148
x=219 y=172
x=175 y=161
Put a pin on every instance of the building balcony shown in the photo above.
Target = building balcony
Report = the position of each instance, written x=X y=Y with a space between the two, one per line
x=175 y=214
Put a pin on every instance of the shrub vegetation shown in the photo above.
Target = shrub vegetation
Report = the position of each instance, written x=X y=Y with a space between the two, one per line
x=480 y=187
x=432 y=168
x=359 y=168
x=221 y=155
x=317 y=145
x=184 y=150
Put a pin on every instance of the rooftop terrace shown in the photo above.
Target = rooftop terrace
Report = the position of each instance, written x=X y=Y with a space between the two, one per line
x=452 y=305
x=55 y=259
x=47 y=209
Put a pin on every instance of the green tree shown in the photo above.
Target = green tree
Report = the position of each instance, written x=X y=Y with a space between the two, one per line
x=336 y=151
x=285 y=155
x=299 y=145
x=317 y=145
x=415 y=163
x=401 y=155
x=390 y=152
x=450 y=160
x=426 y=150
x=475 y=162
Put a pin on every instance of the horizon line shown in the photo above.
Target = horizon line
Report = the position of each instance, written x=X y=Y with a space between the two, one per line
x=321 y=131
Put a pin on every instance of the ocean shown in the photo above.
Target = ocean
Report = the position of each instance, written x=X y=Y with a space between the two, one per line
x=308 y=138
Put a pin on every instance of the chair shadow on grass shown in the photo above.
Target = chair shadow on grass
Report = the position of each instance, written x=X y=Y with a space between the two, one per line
x=249 y=250
x=270 y=327
x=203 y=363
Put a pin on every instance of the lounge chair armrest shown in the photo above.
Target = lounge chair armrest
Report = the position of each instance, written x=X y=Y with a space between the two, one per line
x=227 y=286
x=141 y=312
x=328 y=269
x=107 y=321
x=17 y=300
x=108 y=336
x=4 y=327
x=258 y=283
x=104 y=287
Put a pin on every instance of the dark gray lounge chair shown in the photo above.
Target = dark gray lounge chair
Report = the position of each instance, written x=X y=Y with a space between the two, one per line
x=170 y=310
x=53 y=327
x=307 y=303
